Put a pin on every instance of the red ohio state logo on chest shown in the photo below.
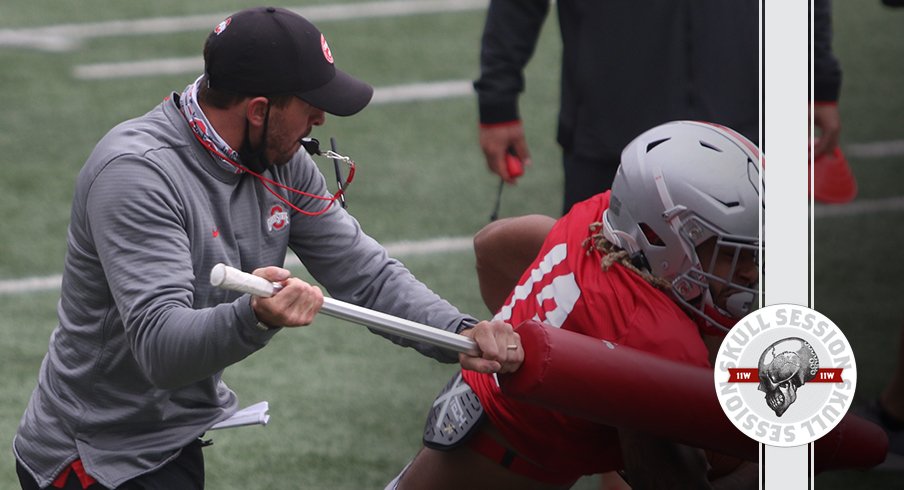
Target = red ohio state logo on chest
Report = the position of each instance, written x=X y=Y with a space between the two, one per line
x=278 y=219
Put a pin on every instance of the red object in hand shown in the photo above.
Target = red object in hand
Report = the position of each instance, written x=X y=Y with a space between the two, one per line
x=513 y=164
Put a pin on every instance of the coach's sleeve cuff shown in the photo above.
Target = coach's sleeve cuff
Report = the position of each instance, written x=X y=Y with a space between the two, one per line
x=251 y=328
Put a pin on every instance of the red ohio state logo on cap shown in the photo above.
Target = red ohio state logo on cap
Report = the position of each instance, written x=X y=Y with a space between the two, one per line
x=222 y=26
x=326 y=49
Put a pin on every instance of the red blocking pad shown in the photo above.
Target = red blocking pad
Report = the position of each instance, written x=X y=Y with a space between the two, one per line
x=624 y=387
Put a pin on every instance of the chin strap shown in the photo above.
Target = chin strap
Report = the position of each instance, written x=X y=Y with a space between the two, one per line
x=714 y=322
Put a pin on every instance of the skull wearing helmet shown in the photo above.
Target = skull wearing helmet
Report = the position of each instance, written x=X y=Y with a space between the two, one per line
x=784 y=367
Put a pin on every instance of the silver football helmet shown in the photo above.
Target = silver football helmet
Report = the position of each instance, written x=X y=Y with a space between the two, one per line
x=679 y=185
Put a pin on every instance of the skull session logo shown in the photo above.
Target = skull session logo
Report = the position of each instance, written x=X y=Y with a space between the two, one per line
x=785 y=375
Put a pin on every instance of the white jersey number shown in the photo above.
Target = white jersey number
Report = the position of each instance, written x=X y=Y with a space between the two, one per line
x=560 y=292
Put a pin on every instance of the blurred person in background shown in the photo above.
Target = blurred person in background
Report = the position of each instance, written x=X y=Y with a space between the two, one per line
x=625 y=67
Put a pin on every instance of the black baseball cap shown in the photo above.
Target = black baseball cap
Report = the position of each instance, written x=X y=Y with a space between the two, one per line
x=273 y=51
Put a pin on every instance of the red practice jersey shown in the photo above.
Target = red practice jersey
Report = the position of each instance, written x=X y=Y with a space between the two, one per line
x=566 y=287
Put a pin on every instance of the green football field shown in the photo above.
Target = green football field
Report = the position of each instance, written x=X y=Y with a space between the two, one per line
x=346 y=406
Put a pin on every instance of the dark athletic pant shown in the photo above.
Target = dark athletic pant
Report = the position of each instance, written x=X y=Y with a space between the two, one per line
x=585 y=177
x=185 y=472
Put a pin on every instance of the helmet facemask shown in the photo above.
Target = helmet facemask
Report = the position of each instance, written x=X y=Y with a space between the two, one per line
x=716 y=275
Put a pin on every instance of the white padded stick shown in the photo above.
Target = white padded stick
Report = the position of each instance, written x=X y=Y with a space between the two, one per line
x=223 y=276
x=226 y=277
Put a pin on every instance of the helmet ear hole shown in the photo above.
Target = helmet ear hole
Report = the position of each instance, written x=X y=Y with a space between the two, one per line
x=651 y=236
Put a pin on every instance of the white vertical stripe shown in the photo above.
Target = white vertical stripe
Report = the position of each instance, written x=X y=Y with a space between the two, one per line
x=785 y=139
x=785 y=143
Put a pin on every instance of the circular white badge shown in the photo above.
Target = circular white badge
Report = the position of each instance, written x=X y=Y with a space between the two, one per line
x=785 y=375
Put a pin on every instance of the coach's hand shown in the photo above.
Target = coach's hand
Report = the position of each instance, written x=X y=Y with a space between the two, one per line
x=496 y=140
x=295 y=305
x=828 y=121
x=500 y=348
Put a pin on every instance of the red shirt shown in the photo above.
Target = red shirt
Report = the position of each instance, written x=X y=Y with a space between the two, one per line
x=566 y=287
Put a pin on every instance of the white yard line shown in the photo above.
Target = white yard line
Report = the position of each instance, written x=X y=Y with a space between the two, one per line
x=30 y=284
x=144 y=68
x=876 y=149
x=65 y=37
x=442 y=89
x=194 y=65
x=396 y=93
x=460 y=244
x=860 y=207
x=396 y=249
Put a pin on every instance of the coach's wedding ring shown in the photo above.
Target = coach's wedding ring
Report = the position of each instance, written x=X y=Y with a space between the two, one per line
x=511 y=347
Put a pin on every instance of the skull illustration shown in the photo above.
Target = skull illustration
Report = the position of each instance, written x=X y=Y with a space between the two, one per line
x=784 y=367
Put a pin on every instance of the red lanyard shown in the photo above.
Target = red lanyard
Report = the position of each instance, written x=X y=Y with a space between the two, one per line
x=265 y=181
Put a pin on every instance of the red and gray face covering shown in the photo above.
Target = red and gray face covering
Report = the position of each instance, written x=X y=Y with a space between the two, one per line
x=229 y=158
x=204 y=131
